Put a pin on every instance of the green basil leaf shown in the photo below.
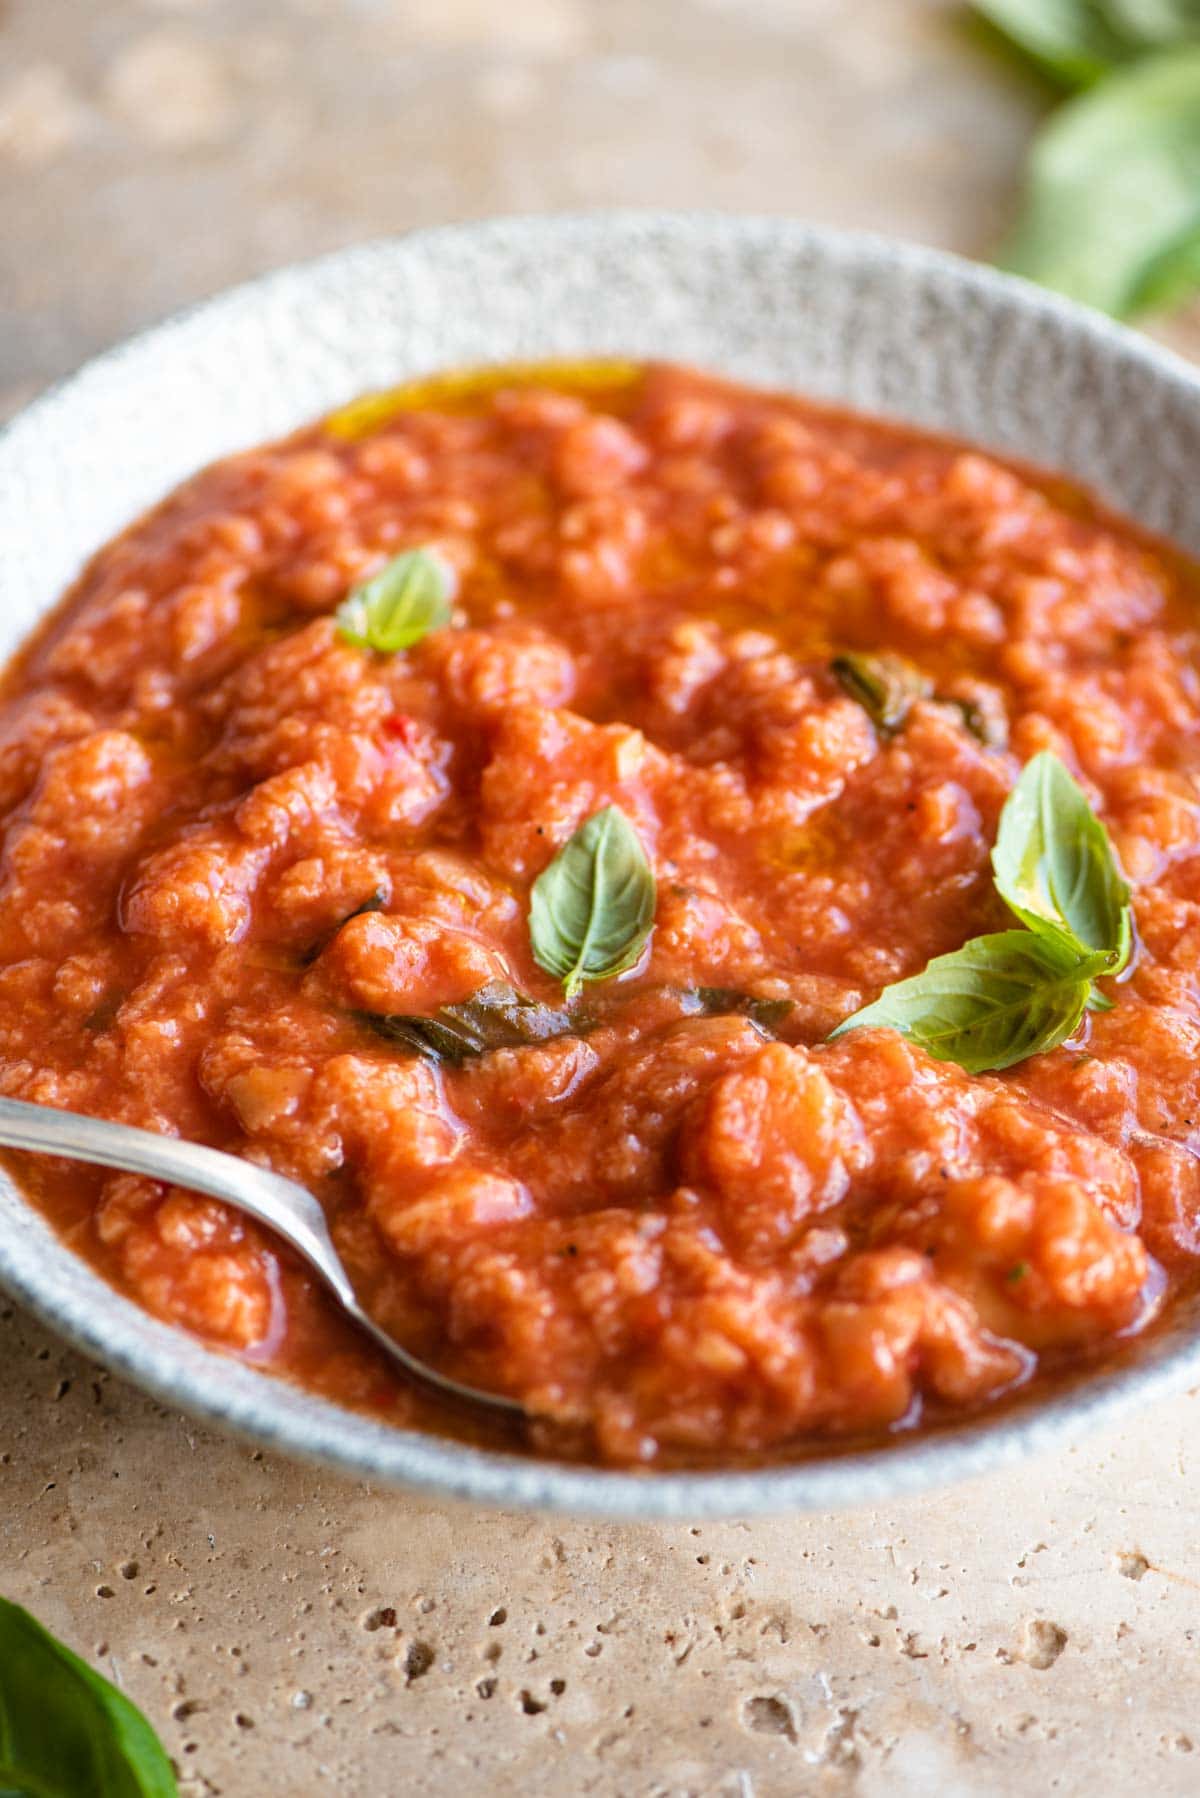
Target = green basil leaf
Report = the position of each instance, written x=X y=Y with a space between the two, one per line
x=1077 y=41
x=994 y=1002
x=886 y=686
x=1154 y=23
x=412 y=596
x=591 y=911
x=1170 y=277
x=495 y=1017
x=64 y=1731
x=1112 y=205
x=1055 y=868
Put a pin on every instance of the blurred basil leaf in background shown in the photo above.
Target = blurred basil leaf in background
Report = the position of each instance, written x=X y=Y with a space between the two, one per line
x=1154 y=23
x=1111 y=214
x=1111 y=208
x=1070 y=39
x=1080 y=41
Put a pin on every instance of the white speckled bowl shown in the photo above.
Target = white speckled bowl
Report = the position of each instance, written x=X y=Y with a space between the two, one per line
x=878 y=325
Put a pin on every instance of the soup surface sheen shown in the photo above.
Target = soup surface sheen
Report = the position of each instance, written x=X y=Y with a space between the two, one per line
x=691 y=1228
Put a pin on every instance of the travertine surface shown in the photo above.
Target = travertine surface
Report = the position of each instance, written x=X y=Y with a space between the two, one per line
x=291 y=1633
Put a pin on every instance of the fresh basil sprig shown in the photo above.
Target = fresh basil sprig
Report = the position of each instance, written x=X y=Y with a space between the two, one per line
x=1004 y=997
x=1054 y=865
x=411 y=596
x=65 y=1731
x=991 y=1003
x=592 y=910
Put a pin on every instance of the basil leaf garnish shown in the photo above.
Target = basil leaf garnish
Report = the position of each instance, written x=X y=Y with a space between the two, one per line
x=65 y=1731
x=1055 y=868
x=1001 y=998
x=411 y=596
x=1110 y=214
x=995 y=1001
x=886 y=686
x=495 y=1017
x=592 y=909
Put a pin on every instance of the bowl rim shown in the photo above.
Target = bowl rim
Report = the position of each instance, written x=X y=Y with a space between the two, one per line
x=210 y=1385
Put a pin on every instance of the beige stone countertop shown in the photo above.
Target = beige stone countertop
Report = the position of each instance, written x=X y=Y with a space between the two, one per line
x=289 y=1632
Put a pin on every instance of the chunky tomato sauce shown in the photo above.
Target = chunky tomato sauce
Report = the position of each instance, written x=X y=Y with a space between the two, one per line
x=691 y=1230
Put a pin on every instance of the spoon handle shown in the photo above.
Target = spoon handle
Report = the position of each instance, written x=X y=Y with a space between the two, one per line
x=281 y=1204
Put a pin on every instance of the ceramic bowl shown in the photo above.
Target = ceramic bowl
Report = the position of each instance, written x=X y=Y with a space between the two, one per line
x=878 y=325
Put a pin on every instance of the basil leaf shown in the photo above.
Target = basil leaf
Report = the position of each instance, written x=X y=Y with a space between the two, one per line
x=1112 y=205
x=1171 y=276
x=995 y=1001
x=495 y=1017
x=1055 y=867
x=591 y=911
x=412 y=596
x=1077 y=41
x=725 y=1001
x=886 y=686
x=64 y=1731
x=1156 y=22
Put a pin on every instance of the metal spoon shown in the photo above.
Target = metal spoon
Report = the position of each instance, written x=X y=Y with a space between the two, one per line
x=288 y=1209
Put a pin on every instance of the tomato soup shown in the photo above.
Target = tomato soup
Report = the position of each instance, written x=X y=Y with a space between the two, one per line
x=255 y=870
